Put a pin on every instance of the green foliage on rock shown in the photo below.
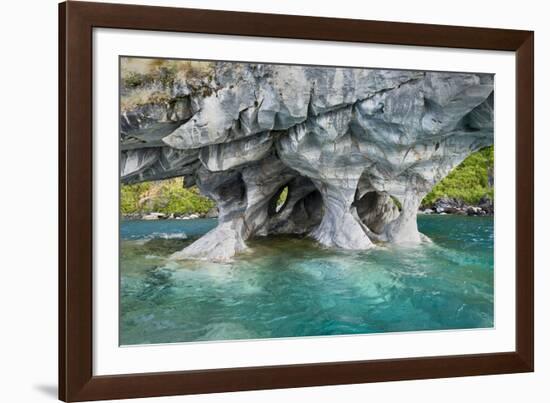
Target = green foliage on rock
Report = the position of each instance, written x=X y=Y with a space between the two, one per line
x=156 y=81
x=131 y=195
x=167 y=196
x=469 y=181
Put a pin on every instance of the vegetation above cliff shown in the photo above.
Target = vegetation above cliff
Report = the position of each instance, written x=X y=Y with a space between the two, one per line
x=167 y=196
x=159 y=81
x=468 y=182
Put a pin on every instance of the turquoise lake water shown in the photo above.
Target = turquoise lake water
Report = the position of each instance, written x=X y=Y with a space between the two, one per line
x=289 y=286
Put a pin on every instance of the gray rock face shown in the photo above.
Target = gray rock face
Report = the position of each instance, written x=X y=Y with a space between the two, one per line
x=345 y=142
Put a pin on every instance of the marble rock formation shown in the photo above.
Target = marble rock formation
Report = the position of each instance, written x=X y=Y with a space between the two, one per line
x=357 y=149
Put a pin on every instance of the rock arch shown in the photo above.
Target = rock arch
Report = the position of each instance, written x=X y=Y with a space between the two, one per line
x=346 y=142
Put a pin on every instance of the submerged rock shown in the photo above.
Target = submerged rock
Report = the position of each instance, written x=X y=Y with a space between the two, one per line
x=357 y=149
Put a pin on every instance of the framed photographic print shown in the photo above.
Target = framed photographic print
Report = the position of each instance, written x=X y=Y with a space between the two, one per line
x=252 y=201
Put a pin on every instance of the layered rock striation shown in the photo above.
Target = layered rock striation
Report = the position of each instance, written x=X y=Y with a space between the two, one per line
x=357 y=149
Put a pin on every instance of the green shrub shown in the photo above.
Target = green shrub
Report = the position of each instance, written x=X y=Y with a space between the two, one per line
x=130 y=196
x=468 y=181
x=166 y=196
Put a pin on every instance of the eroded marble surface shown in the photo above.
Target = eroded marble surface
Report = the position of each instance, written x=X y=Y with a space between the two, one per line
x=346 y=142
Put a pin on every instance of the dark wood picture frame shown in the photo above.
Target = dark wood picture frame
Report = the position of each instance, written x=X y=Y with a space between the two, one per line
x=76 y=23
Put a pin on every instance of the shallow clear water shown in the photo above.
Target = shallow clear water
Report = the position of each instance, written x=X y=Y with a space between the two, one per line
x=289 y=286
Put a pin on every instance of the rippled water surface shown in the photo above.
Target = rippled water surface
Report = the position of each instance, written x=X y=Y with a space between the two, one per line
x=289 y=286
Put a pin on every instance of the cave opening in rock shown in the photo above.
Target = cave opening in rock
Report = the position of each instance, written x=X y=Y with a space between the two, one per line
x=314 y=207
x=377 y=209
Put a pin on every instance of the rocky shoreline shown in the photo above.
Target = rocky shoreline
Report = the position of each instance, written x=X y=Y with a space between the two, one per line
x=443 y=206
x=446 y=205
x=154 y=215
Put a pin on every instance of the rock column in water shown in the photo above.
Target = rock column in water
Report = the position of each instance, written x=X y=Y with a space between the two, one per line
x=357 y=149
